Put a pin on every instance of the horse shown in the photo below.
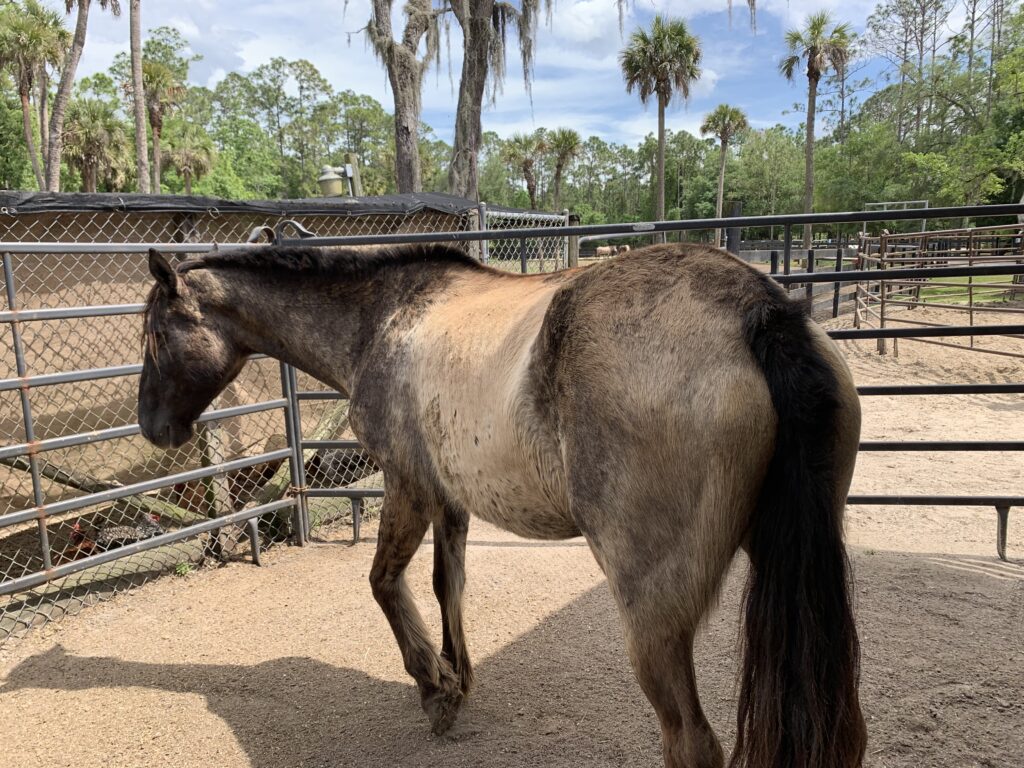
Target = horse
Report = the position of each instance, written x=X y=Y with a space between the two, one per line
x=671 y=406
x=603 y=251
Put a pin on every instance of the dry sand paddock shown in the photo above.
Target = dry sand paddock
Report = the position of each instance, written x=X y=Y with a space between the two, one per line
x=294 y=665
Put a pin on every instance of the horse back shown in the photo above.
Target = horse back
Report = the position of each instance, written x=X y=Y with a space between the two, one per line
x=468 y=378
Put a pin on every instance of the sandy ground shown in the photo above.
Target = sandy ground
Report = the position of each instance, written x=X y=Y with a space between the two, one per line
x=293 y=664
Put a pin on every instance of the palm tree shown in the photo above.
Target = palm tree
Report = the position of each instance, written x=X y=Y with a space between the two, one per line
x=564 y=144
x=820 y=48
x=192 y=154
x=94 y=140
x=661 y=62
x=138 y=96
x=724 y=123
x=163 y=91
x=67 y=79
x=521 y=151
x=31 y=39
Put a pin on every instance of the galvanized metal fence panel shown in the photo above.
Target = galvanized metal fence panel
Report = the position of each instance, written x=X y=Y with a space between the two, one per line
x=276 y=458
x=87 y=507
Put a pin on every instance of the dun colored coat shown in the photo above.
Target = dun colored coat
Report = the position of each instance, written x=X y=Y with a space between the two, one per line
x=670 y=405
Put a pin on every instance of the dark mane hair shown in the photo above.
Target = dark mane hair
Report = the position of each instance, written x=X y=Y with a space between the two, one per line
x=332 y=261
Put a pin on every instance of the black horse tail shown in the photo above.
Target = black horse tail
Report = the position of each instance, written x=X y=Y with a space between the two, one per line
x=798 y=703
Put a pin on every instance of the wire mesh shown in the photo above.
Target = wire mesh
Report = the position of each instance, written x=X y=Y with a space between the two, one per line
x=539 y=254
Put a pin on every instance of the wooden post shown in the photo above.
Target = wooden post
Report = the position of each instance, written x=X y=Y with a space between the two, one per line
x=351 y=158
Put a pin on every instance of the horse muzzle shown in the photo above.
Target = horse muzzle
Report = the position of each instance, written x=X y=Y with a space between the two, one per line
x=166 y=434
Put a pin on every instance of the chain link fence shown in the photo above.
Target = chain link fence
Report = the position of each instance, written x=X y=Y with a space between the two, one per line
x=87 y=507
x=540 y=254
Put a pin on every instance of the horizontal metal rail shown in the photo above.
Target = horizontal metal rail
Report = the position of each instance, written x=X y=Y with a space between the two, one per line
x=85 y=374
x=874 y=275
x=938 y=501
x=940 y=389
x=129 y=430
x=41 y=577
x=338 y=444
x=83 y=248
x=71 y=313
x=78 y=502
x=936 y=330
x=310 y=395
x=68 y=377
x=345 y=493
x=942 y=445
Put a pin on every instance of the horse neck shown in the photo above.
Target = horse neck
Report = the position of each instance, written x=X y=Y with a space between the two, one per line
x=318 y=325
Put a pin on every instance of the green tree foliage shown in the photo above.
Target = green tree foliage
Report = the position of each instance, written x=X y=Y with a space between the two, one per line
x=15 y=171
x=32 y=40
x=96 y=143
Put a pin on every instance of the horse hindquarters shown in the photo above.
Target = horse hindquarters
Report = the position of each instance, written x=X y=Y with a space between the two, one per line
x=664 y=514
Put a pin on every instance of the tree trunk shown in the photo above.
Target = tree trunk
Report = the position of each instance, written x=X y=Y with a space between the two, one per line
x=60 y=103
x=557 y=184
x=43 y=97
x=89 y=175
x=659 y=206
x=721 y=189
x=475 y=20
x=139 y=98
x=531 y=183
x=157 y=158
x=404 y=73
x=30 y=144
x=812 y=101
x=188 y=182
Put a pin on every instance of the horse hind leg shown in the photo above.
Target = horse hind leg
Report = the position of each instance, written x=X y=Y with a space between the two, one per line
x=664 y=567
x=449 y=582
x=402 y=529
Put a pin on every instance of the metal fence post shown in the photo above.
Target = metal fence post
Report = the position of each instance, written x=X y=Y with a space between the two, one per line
x=293 y=432
x=787 y=250
x=357 y=517
x=810 y=271
x=485 y=250
x=835 y=295
x=522 y=255
x=26 y=411
x=774 y=268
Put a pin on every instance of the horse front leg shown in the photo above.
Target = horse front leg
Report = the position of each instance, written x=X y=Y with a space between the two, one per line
x=401 y=531
x=449 y=581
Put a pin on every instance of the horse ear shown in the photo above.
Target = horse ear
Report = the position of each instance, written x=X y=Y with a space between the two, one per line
x=163 y=271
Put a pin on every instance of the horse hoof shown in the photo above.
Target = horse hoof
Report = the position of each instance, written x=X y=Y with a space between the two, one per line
x=442 y=707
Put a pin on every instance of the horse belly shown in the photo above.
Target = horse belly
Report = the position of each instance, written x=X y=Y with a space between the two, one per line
x=513 y=482
x=514 y=504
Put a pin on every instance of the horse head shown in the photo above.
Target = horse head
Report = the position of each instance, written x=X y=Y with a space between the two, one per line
x=188 y=359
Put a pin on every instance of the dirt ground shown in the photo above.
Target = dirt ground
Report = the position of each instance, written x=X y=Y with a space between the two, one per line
x=293 y=664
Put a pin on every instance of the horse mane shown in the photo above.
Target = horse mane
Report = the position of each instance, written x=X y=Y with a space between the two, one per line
x=337 y=262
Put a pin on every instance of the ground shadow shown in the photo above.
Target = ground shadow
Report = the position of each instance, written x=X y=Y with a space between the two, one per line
x=534 y=704
x=941 y=685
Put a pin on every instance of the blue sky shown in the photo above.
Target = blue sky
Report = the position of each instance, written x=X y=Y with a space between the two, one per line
x=577 y=82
